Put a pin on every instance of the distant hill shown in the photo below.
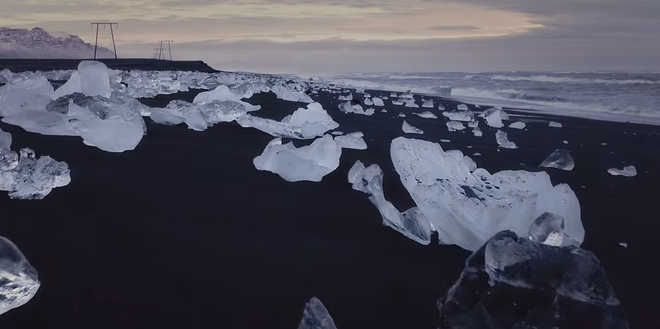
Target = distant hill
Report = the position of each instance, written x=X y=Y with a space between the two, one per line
x=37 y=43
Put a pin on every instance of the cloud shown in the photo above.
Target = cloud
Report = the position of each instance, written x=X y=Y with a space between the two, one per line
x=454 y=28
x=310 y=36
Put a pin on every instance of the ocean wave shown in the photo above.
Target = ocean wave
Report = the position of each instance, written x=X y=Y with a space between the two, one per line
x=517 y=98
x=551 y=79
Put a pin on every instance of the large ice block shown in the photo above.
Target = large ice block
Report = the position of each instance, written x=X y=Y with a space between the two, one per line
x=94 y=79
x=32 y=178
x=468 y=207
x=307 y=163
x=19 y=281
x=512 y=282
x=352 y=141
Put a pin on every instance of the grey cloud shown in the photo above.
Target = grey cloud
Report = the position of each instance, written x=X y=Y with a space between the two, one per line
x=454 y=28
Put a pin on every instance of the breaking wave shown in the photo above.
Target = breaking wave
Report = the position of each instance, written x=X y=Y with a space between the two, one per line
x=546 y=78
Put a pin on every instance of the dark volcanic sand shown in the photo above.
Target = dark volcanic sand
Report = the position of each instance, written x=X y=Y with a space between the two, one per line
x=21 y=65
x=184 y=232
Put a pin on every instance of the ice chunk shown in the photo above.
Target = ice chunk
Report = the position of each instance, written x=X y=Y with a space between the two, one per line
x=629 y=171
x=383 y=111
x=271 y=127
x=411 y=103
x=402 y=115
x=547 y=229
x=167 y=116
x=459 y=116
x=42 y=122
x=428 y=104
x=33 y=178
x=468 y=207
x=5 y=140
x=446 y=140
x=411 y=223
x=555 y=124
x=488 y=112
x=560 y=159
x=70 y=87
x=337 y=133
x=407 y=94
x=316 y=316
x=368 y=102
x=455 y=126
x=408 y=129
x=370 y=111
x=112 y=134
x=392 y=95
x=6 y=76
x=477 y=132
x=623 y=244
x=503 y=141
x=512 y=282
x=287 y=94
x=462 y=107
x=349 y=107
x=352 y=141
x=94 y=79
x=494 y=119
x=220 y=93
x=31 y=92
x=518 y=125
x=307 y=163
x=313 y=120
x=473 y=124
x=397 y=102
x=427 y=115
x=348 y=97
x=441 y=107
x=377 y=101
x=19 y=281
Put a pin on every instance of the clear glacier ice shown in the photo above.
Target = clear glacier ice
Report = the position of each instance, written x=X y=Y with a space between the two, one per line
x=518 y=125
x=352 y=141
x=408 y=129
x=378 y=101
x=428 y=104
x=427 y=115
x=495 y=119
x=513 y=282
x=19 y=281
x=555 y=124
x=455 y=126
x=559 y=159
x=628 y=171
x=94 y=79
x=503 y=141
x=412 y=223
x=477 y=132
x=467 y=207
x=307 y=163
x=459 y=116
x=316 y=316
x=29 y=177
x=25 y=92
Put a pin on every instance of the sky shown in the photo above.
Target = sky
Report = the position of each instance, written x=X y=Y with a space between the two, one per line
x=333 y=36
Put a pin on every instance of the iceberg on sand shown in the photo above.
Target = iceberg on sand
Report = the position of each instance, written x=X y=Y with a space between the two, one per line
x=19 y=280
x=307 y=163
x=559 y=159
x=467 y=208
x=316 y=316
x=408 y=129
x=501 y=277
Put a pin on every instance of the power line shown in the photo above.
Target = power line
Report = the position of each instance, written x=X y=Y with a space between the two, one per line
x=160 y=53
x=112 y=33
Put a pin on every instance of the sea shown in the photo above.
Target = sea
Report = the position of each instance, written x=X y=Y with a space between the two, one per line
x=608 y=95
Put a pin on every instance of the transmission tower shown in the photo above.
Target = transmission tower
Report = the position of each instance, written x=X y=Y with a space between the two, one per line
x=161 y=50
x=112 y=33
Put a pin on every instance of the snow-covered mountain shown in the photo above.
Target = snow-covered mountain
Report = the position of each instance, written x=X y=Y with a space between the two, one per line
x=37 y=43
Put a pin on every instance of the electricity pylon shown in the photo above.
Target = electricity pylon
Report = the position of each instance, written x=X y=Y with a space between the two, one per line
x=96 y=42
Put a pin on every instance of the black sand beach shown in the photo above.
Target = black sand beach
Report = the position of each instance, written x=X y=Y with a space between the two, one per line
x=184 y=232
